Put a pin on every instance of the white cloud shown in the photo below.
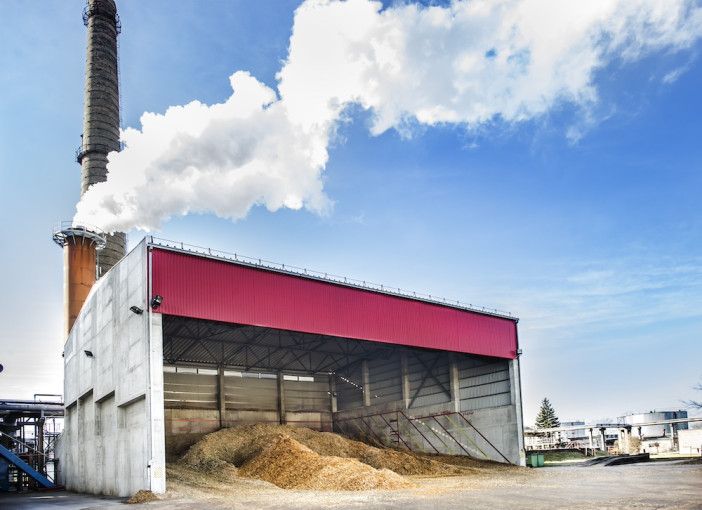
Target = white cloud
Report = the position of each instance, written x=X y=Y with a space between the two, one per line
x=223 y=159
x=469 y=63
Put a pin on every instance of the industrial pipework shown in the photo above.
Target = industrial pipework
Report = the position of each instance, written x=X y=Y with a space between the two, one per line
x=80 y=244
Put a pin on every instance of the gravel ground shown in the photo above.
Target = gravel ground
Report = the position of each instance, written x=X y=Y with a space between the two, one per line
x=641 y=486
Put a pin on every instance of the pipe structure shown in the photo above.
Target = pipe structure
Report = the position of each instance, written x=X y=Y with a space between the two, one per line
x=101 y=117
x=80 y=246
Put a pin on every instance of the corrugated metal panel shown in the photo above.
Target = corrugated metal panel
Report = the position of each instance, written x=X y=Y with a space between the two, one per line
x=499 y=400
x=307 y=396
x=349 y=389
x=241 y=393
x=483 y=384
x=429 y=379
x=385 y=376
x=199 y=287
x=189 y=390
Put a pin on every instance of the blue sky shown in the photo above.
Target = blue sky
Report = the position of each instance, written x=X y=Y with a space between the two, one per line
x=564 y=187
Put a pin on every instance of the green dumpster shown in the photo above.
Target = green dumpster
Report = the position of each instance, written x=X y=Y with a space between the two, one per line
x=534 y=460
x=540 y=460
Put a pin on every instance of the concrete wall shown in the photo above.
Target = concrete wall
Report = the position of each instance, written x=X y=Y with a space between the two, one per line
x=690 y=441
x=113 y=439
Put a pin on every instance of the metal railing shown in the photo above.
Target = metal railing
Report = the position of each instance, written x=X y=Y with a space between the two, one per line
x=395 y=428
x=343 y=280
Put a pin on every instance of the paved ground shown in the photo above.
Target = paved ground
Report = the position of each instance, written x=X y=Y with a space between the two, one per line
x=641 y=486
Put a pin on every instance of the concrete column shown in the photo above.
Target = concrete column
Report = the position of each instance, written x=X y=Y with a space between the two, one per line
x=332 y=395
x=365 y=371
x=603 y=440
x=221 y=397
x=589 y=436
x=454 y=382
x=405 y=379
x=515 y=380
x=154 y=402
x=624 y=440
x=281 y=398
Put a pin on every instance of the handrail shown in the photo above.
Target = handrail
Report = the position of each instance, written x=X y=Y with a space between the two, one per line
x=24 y=444
x=399 y=413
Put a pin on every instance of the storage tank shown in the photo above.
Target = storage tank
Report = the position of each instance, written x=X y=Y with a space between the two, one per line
x=650 y=431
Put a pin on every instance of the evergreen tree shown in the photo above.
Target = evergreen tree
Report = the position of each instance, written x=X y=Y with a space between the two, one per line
x=547 y=418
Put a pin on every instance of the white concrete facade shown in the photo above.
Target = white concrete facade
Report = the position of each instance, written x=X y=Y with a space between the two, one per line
x=113 y=441
x=690 y=441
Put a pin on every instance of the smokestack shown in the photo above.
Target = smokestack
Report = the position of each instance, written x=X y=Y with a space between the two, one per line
x=101 y=122
x=80 y=246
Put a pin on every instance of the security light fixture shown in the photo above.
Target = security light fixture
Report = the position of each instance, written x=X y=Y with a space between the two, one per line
x=136 y=310
x=89 y=354
x=156 y=301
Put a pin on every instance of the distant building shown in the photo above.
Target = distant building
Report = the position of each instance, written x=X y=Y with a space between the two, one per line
x=656 y=437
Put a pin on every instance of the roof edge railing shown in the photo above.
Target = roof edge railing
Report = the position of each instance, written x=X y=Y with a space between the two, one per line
x=343 y=280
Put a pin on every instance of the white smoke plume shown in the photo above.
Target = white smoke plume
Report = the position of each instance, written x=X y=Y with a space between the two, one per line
x=468 y=63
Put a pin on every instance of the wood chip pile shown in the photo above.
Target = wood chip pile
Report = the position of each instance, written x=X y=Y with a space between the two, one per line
x=299 y=458
x=291 y=465
x=142 y=497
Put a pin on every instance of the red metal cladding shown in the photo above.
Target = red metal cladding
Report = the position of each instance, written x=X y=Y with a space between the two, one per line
x=203 y=288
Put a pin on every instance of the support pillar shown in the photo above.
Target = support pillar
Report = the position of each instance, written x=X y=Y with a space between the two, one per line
x=41 y=464
x=405 y=379
x=515 y=379
x=454 y=382
x=221 y=397
x=332 y=395
x=365 y=371
x=603 y=439
x=281 y=398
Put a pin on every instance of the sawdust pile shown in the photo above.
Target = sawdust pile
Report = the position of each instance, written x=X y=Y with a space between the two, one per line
x=300 y=458
x=142 y=497
x=291 y=465
x=237 y=445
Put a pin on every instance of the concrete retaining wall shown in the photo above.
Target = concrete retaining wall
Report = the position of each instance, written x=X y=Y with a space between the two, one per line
x=113 y=439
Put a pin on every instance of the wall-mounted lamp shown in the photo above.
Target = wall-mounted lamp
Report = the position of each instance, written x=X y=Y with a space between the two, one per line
x=156 y=301
x=136 y=310
x=89 y=354
x=518 y=352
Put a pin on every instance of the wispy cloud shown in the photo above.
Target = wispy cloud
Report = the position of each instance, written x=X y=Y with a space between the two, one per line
x=609 y=294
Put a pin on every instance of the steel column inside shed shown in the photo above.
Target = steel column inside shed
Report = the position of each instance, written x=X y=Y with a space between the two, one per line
x=233 y=343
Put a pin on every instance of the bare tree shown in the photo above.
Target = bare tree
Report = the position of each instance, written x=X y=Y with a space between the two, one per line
x=694 y=404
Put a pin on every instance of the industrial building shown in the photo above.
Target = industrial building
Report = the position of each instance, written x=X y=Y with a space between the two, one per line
x=170 y=340
x=173 y=341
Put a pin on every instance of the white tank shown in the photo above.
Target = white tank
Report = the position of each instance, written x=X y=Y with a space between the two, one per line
x=650 y=431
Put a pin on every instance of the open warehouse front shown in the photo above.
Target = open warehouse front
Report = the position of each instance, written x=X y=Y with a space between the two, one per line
x=220 y=375
x=186 y=342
